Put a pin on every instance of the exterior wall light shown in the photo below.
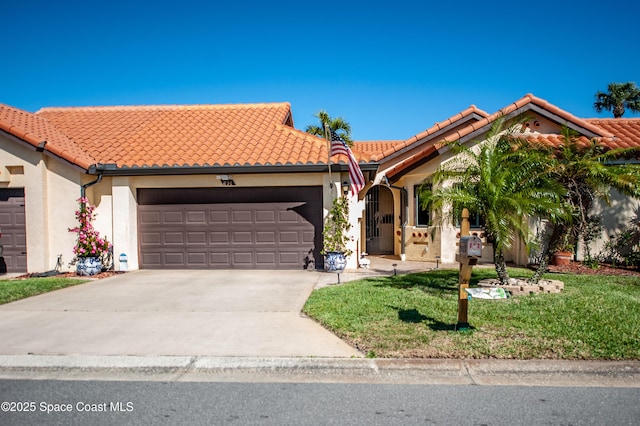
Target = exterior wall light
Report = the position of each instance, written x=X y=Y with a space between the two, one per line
x=345 y=188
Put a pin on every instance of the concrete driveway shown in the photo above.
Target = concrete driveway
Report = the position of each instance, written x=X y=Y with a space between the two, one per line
x=215 y=313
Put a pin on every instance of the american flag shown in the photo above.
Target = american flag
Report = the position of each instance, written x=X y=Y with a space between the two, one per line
x=338 y=146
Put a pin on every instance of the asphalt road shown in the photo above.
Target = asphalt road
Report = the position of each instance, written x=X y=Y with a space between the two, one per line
x=31 y=402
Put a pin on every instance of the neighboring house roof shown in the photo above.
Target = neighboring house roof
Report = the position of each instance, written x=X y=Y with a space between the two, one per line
x=626 y=131
x=586 y=128
x=43 y=135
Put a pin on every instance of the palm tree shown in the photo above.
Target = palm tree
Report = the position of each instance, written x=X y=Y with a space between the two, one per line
x=501 y=180
x=338 y=125
x=587 y=172
x=620 y=96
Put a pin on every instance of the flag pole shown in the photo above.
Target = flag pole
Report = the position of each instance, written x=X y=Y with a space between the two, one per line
x=327 y=136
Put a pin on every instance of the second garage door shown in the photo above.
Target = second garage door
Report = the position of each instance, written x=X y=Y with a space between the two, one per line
x=253 y=234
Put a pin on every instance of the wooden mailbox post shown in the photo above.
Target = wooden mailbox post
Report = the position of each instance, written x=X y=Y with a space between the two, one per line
x=470 y=251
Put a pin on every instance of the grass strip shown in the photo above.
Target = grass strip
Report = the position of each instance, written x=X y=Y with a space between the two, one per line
x=414 y=315
x=16 y=289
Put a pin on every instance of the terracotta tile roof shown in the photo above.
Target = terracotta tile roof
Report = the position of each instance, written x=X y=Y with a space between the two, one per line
x=441 y=126
x=603 y=132
x=518 y=107
x=626 y=131
x=35 y=130
x=189 y=135
x=374 y=148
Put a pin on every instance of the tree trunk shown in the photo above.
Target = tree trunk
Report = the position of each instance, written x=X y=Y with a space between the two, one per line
x=501 y=267
x=557 y=236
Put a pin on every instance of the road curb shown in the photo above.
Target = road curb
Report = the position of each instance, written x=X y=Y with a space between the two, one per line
x=339 y=370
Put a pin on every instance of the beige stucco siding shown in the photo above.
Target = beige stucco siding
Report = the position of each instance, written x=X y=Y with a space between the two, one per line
x=51 y=188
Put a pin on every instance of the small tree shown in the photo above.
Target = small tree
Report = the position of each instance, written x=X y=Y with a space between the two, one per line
x=339 y=126
x=587 y=172
x=503 y=181
x=618 y=98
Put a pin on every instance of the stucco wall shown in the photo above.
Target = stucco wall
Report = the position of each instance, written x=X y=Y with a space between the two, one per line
x=51 y=188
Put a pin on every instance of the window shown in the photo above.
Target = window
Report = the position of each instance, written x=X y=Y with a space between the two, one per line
x=423 y=215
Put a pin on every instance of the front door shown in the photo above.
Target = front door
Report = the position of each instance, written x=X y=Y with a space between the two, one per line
x=379 y=211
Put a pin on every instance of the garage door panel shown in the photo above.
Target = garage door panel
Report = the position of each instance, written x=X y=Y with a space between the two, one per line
x=219 y=237
x=13 y=224
x=173 y=238
x=288 y=216
x=308 y=237
x=242 y=258
x=198 y=237
x=265 y=216
x=150 y=238
x=173 y=217
x=290 y=258
x=241 y=237
x=219 y=216
x=196 y=217
x=150 y=218
x=197 y=259
x=241 y=216
x=175 y=258
x=289 y=237
x=220 y=260
x=268 y=258
x=151 y=260
x=267 y=235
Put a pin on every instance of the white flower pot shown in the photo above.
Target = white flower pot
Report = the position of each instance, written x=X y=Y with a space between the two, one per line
x=88 y=266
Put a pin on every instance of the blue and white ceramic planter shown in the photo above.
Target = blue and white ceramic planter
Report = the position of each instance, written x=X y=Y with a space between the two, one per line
x=335 y=261
x=88 y=266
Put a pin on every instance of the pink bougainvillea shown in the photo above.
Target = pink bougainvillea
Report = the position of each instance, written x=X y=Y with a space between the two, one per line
x=89 y=243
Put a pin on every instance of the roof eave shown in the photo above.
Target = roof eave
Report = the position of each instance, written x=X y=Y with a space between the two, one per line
x=113 y=170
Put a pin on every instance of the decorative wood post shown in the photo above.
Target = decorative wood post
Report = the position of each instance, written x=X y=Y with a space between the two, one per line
x=466 y=266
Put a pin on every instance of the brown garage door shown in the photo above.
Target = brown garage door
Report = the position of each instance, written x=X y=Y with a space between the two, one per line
x=266 y=230
x=12 y=222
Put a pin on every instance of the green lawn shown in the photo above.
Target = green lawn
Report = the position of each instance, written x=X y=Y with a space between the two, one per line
x=595 y=317
x=12 y=290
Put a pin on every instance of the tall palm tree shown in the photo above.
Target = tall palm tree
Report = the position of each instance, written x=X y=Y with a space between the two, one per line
x=619 y=97
x=587 y=172
x=341 y=127
x=501 y=180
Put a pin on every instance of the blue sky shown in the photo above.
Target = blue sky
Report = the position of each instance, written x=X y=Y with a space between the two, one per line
x=391 y=69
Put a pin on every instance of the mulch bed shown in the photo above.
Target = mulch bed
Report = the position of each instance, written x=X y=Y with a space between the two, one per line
x=105 y=274
x=580 y=269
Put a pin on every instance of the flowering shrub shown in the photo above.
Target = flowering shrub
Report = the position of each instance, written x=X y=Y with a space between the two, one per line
x=89 y=243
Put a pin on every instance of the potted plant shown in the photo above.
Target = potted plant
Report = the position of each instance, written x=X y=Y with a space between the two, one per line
x=91 y=250
x=335 y=236
x=564 y=254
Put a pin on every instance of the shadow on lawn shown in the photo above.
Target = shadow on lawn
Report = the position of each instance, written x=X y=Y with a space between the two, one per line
x=415 y=317
x=441 y=281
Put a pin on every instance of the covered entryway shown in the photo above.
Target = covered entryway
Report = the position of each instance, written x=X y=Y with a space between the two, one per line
x=14 y=233
x=225 y=228
x=379 y=211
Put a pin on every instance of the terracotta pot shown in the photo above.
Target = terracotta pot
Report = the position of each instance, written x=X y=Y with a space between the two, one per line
x=561 y=258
